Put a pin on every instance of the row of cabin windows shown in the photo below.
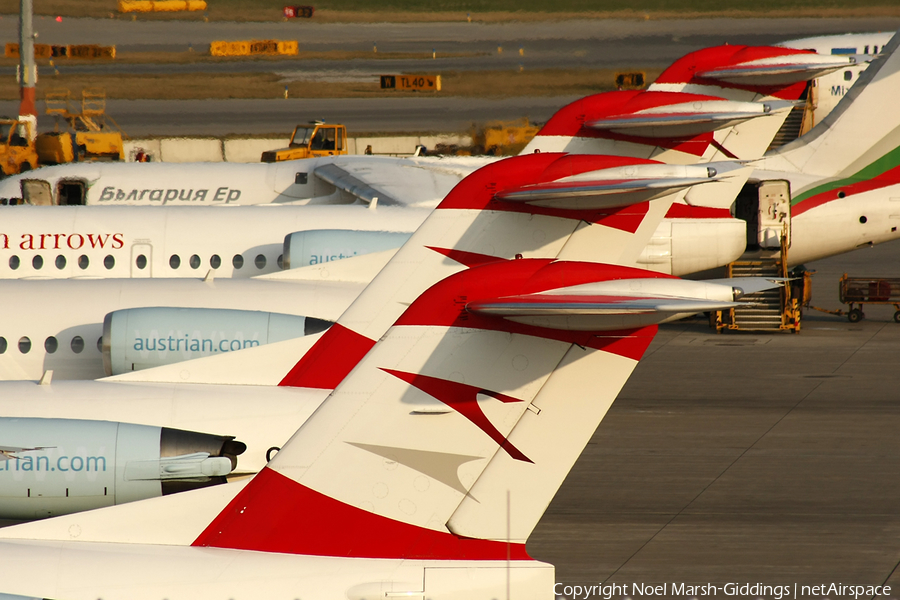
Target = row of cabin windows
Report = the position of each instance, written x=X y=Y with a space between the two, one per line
x=214 y=261
x=51 y=344
x=37 y=262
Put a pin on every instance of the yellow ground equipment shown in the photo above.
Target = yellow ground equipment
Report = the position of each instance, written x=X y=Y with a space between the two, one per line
x=91 y=133
x=503 y=137
x=16 y=149
x=315 y=139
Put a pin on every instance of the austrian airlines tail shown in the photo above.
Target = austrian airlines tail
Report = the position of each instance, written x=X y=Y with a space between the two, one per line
x=467 y=379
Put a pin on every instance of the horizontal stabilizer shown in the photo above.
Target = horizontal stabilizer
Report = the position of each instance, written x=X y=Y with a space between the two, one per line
x=779 y=70
x=610 y=188
x=353 y=185
x=609 y=305
x=750 y=285
x=682 y=120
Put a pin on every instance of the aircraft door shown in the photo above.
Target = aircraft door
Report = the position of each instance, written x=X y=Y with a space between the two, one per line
x=774 y=214
x=36 y=192
x=141 y=259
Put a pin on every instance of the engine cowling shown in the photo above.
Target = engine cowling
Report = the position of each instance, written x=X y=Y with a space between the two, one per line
x=314 y=247
x=140 y=338
x=52 y=467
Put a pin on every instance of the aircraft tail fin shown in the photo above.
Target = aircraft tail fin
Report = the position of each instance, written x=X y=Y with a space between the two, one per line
x=471 y=373
x=862 y=130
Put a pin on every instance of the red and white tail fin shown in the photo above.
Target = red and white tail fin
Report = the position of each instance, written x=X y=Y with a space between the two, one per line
x=603 y=209
x=471 y=373
x=672 y=127
x=747 y=73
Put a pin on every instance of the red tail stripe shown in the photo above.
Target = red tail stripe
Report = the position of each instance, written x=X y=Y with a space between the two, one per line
x=477 y=191
x=276 y=514
x=444 y=303
x=463 y=399
x=330 y=360
x=469 y=259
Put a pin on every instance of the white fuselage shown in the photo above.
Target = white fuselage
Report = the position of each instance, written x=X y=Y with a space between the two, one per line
x=412 y=180
x=62 y=326
x=132 y=241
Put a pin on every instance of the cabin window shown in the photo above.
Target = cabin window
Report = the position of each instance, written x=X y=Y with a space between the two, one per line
x=77 y=344
x=141 y=262
x=237 y=261
x=866 y=50
x=51 y=344
x=848 y=75
x=174 y=261
x=13 y=262
x=874 y=49
x=214 y=261
x=60 y=262
x=280 y=261
x=83 y=262
x=37 y=262
x=3 y=345
x=260 y=261
x=109 y=262
x=195 y=261
x=24 y=344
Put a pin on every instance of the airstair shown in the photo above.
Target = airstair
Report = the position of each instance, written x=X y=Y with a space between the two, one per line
x=769 y=310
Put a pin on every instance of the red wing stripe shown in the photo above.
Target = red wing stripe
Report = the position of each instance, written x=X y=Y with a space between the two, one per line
x=330 y=360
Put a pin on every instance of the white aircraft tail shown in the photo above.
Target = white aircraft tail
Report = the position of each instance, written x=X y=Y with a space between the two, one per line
x=472 y=372
x=860 y=137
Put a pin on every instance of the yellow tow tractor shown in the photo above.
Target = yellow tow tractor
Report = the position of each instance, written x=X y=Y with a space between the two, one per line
x=307 y=141
x=16 y=148
x=91 y=135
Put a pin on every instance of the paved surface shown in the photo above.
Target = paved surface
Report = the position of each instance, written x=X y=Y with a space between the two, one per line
x=223 y=117
x=745 y=457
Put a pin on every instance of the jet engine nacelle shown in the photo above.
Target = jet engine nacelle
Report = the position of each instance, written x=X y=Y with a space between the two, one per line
x=52 y=467
x=140 y=338
x=683 y=246
x=324 y=245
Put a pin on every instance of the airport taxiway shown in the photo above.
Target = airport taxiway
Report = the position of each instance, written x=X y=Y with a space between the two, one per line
x=746 y=457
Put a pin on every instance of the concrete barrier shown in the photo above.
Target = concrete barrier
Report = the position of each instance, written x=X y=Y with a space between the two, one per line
x=248 y=150
x=191 y=150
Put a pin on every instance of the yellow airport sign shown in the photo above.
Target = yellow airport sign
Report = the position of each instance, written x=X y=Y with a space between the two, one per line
x=419 y=83
x=254 y=47
x=127 y=6
x=84 y=51
x=634 y=80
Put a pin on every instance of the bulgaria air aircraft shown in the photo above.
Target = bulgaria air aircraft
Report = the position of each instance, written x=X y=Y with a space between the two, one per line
x=459 y=389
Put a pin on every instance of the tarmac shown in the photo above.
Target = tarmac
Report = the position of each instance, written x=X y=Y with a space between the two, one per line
x=746 y=457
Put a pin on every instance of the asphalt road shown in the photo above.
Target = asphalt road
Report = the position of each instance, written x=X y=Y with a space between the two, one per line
x=141 y=118
x=745 y=457
x=552 y=44
x=610 y=43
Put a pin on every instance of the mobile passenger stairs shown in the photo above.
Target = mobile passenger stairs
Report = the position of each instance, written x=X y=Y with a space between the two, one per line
x=766 y=208
x=773 y=310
